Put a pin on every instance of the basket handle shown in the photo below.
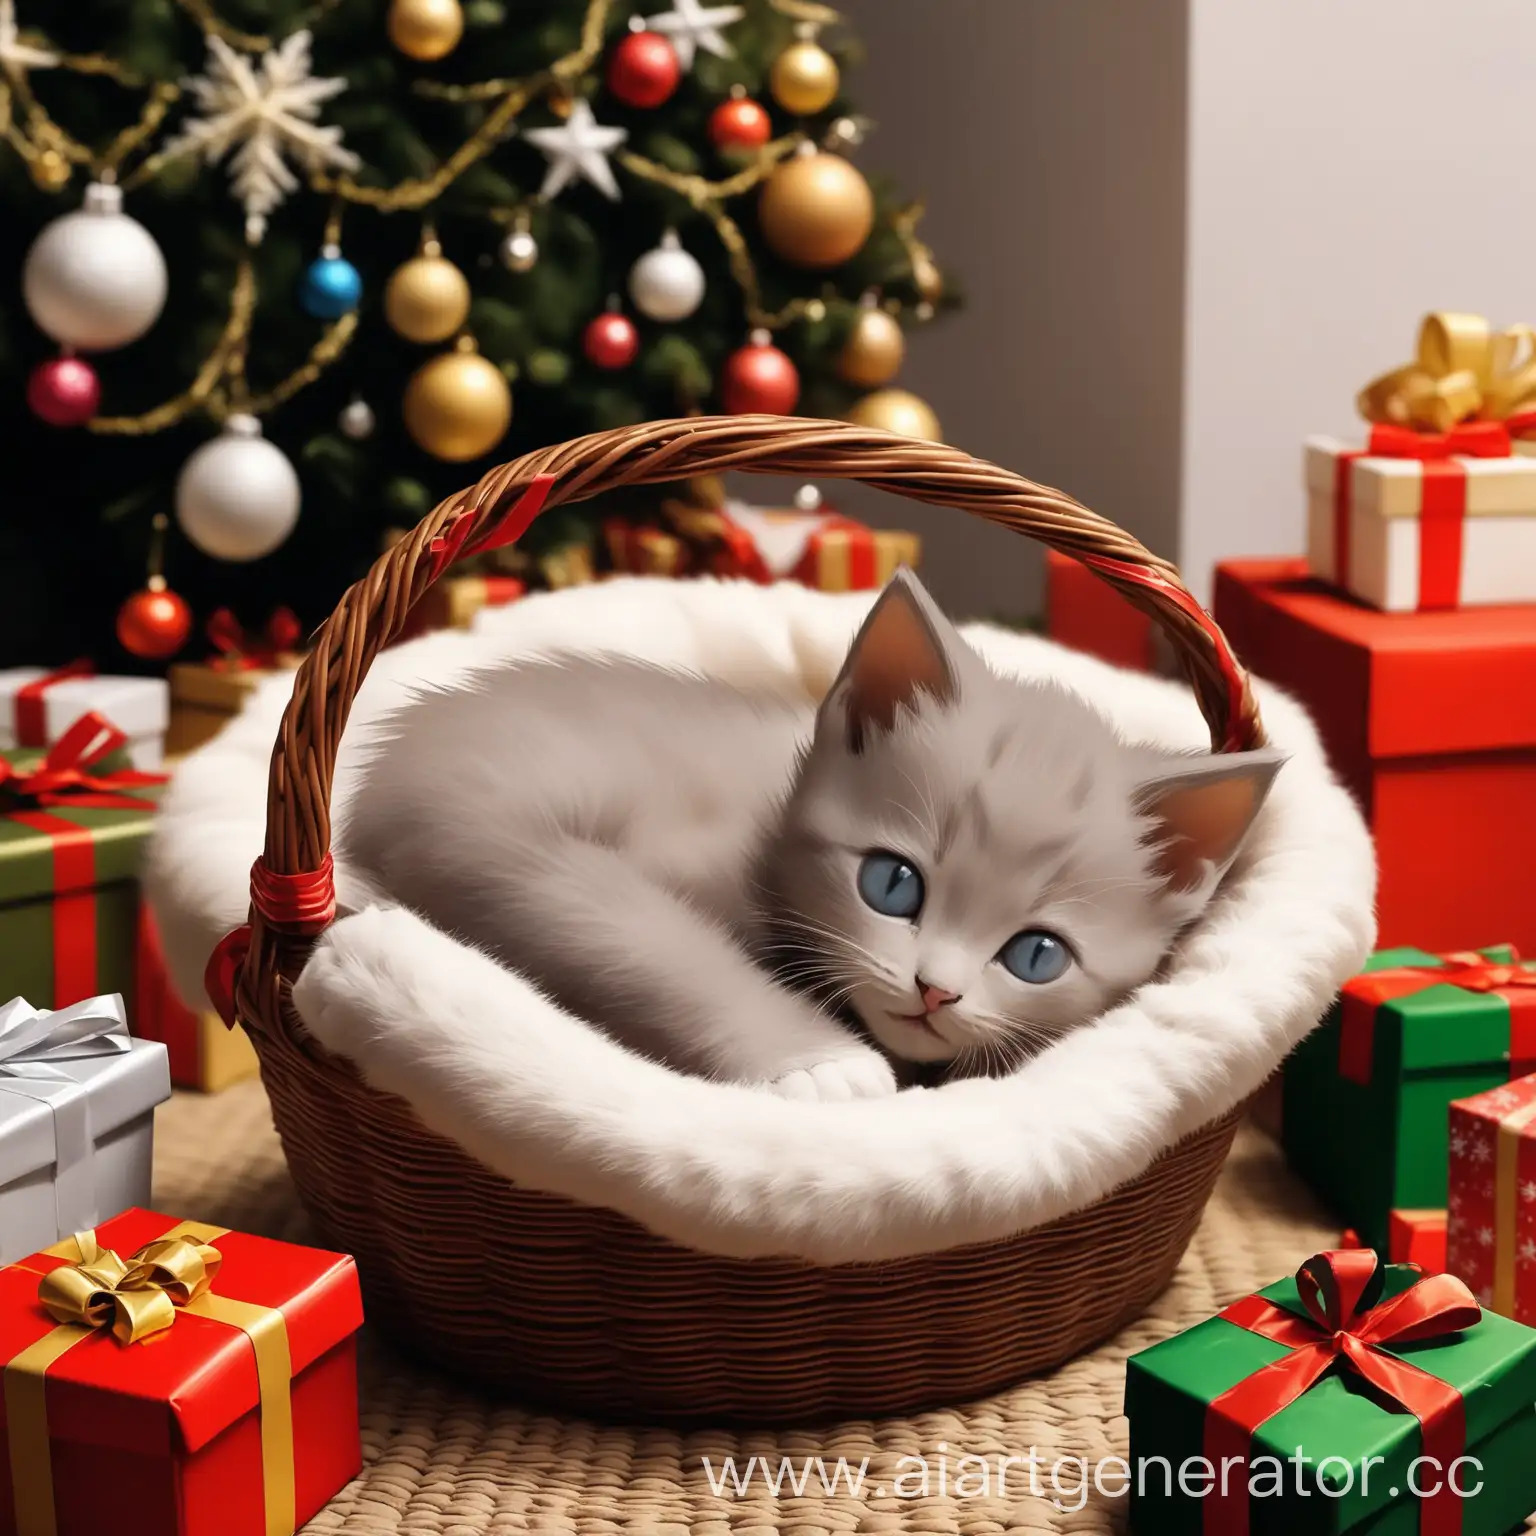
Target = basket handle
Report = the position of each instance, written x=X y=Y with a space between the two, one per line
x=292 y=895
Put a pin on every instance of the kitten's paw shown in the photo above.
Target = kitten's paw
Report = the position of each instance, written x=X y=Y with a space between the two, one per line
x=862 y=1074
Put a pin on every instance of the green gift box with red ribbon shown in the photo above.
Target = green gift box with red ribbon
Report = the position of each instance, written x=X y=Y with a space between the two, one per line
x=1353 y=1397
x=1367 y=1095
x=73 y=822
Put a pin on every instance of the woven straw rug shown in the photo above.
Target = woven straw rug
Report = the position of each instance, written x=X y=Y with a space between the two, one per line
x=442 y=1461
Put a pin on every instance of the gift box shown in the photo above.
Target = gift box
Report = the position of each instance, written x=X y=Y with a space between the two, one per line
x=820 y=549
x=77 y=1104
x=637 y=550
x=1423 y=520
x=37 y=707
x=1418 y=1237
x=196 y=1381
x=455 y=601
x=1430 y=719
x=205 y=696
x=72 y=827
x=1367 y=1094
x=1491 y=1221
x=1438 y=508
x=1086 y=613
x=1303 y=1409
x=204 y=1053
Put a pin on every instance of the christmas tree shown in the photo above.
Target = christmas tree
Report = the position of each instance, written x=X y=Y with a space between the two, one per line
x=295 y=270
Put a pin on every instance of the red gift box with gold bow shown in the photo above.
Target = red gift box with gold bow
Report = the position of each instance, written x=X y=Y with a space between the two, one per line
x=1438 y=509
x=202 y=1382
x=1327 y=1400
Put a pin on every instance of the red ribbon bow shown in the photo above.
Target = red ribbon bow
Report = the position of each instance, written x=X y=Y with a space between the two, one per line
x=64 y=776
x=1471 y=439
x=1465 y=968
x=240 y=651
x=1346 y=1329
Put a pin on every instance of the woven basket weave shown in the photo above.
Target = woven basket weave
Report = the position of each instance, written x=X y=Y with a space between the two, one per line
x=578 y=1306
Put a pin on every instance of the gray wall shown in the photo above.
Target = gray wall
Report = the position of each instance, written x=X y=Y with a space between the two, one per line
x=1047 y=138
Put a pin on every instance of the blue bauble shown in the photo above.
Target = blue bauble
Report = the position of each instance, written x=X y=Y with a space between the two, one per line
x=331 y=287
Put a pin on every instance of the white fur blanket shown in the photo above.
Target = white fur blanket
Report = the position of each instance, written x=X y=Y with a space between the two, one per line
x=548 y=1101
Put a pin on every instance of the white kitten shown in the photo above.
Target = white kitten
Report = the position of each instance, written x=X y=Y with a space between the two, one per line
x=958 y=865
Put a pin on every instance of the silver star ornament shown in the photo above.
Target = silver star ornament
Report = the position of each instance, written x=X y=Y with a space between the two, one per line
x=578 y=149
x=689 y=26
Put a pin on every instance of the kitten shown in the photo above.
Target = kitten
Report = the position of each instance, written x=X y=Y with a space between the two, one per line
x=938 y=865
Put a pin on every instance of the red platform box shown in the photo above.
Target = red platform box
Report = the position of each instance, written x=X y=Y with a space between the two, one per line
x=1087 y=614
x=1418 y=1237
x=233 y=1412
x=1430 y=719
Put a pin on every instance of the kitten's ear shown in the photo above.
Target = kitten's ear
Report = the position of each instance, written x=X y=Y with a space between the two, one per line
x=1202 y=809
x=904 y=647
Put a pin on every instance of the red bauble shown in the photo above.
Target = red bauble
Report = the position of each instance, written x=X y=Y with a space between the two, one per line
x=154 y=623
x=740 y=123
x=643 y=70
x=610 y=341
x=64 y=392
x=759 y=381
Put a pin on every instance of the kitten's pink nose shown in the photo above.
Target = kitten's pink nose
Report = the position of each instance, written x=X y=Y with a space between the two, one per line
x=934 y=997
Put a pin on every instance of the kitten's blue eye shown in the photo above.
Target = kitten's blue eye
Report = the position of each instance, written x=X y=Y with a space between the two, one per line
x=1035 y=956
x=891 y=885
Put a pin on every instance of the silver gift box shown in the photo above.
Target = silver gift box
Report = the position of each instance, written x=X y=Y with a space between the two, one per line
x=77 y=1105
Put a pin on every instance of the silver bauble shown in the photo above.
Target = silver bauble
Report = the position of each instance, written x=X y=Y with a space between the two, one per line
x=667 y=284
x=237 y=498
x=356 y=420
x=519 y=251
x=95 y=279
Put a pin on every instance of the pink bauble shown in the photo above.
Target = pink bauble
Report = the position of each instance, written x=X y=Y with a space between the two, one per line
x=64 y=392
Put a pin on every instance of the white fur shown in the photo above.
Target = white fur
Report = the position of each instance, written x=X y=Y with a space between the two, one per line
x=548 y=1101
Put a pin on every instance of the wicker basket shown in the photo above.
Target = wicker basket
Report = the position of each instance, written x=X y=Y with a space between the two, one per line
x=579 y=1306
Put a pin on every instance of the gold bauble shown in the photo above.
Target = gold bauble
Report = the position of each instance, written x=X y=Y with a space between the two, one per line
x=899 y=411
x=427 y=299
x=457 y=406
x=50 y=170
x=873 y=352
x=816 y=210
x=425 y=29
x=804 y=79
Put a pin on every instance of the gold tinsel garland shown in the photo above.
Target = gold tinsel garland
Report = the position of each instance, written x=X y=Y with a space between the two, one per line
x=219 y=386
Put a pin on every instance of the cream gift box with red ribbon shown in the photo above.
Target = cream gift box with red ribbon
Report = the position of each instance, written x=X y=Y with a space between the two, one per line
x=37 y=707
x=1418 y=520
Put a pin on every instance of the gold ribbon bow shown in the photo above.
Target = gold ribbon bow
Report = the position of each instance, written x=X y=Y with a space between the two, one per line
x=136 y=1298
x=1464 y=371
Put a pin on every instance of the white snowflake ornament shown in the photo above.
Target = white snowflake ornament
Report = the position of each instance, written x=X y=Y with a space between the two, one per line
x=578 y=150
x=264 y=109
x=17 y=57
x=689 y=26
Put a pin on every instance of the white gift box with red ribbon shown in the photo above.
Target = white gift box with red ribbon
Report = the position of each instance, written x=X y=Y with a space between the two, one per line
x=1416 y=521
x=37 y=707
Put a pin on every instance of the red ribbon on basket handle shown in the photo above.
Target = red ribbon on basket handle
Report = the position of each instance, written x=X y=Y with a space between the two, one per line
x=239 y=650
x=1346 y=1328
x=31 y=707
x=1231 y=673
x=453 y=540
x=64 y=777
x=302 y=904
